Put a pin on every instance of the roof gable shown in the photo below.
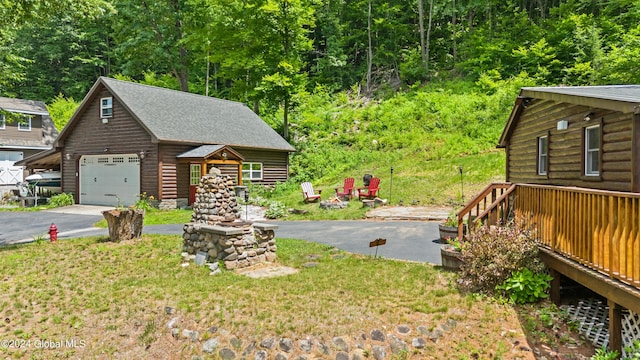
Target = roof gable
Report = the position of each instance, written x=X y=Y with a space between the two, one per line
x=176 y=116
x=623 y=98
x=32 y=108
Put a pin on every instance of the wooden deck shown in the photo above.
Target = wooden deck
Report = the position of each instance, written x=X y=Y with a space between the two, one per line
x=591 y=236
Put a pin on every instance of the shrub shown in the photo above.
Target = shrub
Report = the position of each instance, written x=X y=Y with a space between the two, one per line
x=276 y=210
x=603 y=354
x=492 y=254
x=144 y=202
x=526 y=286
x=64 y=199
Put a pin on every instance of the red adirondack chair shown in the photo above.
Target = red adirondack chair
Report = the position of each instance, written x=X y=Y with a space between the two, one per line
x=371 y=191
x=347 y=189
x=309 y=194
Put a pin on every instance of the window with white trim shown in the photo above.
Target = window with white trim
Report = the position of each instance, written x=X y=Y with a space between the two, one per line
x=252 y=171
x=543 y=154
x=592 y=151
x=106 y=107
x=3 y=122
x=195 y=174
x=24 y=124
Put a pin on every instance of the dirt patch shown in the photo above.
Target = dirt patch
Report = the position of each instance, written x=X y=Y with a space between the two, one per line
x=266 y=270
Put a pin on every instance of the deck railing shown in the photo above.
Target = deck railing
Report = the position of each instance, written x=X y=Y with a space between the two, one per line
x=489 y=206
x=599 y=229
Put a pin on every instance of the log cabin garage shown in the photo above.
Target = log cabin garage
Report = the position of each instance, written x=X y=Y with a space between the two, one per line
x=128 y=139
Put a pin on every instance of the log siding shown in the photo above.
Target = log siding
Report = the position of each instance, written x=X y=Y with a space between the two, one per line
x=566 y=147
x=275 y=164
x=162 y=174
x=122 y=135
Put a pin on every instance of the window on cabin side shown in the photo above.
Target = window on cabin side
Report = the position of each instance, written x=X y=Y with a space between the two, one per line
x=106 y=107
x=195 y=173
x=252 y=171
x=592 y=150
x=543 y=154
x=24 y=124
x=3 y=122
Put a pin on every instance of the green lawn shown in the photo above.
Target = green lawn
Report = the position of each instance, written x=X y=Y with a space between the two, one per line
x=112 y=296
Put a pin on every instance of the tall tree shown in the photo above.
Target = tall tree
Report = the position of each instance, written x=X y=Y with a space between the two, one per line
x=15 y=14
x=150 y=36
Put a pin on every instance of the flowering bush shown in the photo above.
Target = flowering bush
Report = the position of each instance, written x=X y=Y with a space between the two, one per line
x=492 y=254
x=452 y=220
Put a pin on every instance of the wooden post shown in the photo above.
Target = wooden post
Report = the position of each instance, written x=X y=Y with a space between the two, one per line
x=554 y=292
x=615 y=327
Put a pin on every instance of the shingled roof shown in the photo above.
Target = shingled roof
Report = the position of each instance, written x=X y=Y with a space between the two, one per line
x=176 y=116
x=30 y=107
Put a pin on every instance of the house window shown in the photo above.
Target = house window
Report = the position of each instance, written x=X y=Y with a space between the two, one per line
x=3 y=122
x=106 y=107
x=195 y=173
x=24 y=124
x=543 y=154
x=592 y=150
x=252 y=171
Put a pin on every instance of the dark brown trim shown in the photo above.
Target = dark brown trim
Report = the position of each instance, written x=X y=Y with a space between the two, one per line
x=521 y=103
x=159 y=165
x=508 y=168
x=635 y=152
x=615 y=327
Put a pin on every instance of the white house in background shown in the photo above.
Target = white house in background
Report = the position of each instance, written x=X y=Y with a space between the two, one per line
x=25 y=129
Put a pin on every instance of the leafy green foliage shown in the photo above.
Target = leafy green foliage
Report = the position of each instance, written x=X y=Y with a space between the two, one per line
x=493 y=254
x=604 y=354
x=61 y=110
x=144 y=202
x=64 y=199
x=276 y=210
x=632 y=351
x=525 y=286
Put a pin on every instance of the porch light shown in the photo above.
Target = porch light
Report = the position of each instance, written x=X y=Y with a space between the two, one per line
x=588 y=116
x=142 y=154
x=563 y=125
x=67 y=156
x=224 y=155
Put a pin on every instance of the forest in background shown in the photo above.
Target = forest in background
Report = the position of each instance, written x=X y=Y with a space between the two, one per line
x=357 y=86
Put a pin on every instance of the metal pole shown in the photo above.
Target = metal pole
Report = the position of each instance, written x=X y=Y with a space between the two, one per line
x=391 y=185
x=246 y=204
x=461 y=184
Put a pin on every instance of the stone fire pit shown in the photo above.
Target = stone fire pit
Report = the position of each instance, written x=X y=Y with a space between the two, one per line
x=215 y=227
x=334 y=203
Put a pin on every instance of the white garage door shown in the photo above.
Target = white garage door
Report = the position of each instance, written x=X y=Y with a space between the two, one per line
x=109 y=179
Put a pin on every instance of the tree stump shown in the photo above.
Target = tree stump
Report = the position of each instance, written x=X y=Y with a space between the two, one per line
x=124 y=224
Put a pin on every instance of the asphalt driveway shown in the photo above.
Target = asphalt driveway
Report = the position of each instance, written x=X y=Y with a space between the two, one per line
x=406 y=240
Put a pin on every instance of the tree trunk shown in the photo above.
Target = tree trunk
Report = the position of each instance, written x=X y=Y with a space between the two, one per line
x=454 y=24
x=429 y=35
x=285 y=125
x=369 y=50
x=124 y=224
x=423 y=49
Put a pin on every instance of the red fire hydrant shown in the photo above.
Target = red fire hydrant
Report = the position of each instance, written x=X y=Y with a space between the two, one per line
x=53 y=233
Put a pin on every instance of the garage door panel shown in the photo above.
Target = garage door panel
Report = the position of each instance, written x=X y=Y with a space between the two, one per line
x=109 y=180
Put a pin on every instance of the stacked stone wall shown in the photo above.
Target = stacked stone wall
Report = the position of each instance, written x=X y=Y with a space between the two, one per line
x=215 y=200
x=237 y=246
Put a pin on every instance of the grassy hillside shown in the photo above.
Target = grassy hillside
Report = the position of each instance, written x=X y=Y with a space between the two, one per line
x=426 y=134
